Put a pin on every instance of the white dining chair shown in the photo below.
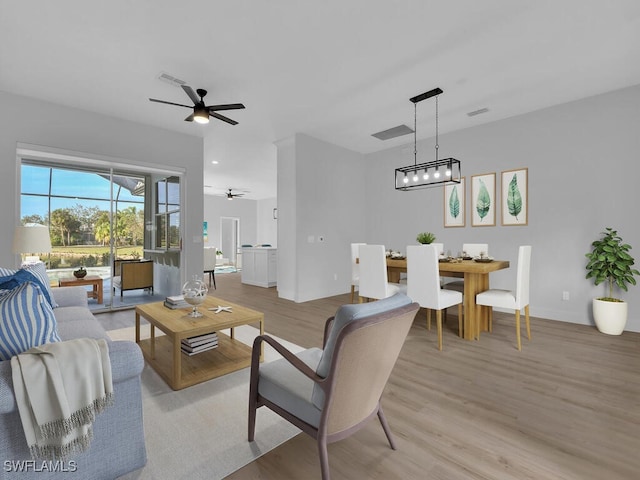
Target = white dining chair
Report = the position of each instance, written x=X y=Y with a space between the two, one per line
x=374 y=283
x=423 y=286
x=509 y=299
x=472 y=250
x=355 y=268
x=210 y=264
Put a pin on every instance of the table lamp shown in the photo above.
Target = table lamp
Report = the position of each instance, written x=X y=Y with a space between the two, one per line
x=31 y=239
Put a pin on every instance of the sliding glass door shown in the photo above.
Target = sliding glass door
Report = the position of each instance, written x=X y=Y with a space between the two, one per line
x=95 y=216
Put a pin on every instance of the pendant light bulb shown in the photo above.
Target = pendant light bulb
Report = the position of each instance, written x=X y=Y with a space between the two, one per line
x=405 y=179
x=437 y=174
x=415 y=177
x=426 y=175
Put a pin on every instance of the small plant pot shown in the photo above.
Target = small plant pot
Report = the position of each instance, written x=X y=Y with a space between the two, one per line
x=610 y=317
x=80 y=273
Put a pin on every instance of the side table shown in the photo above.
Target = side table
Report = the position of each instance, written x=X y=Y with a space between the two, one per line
x=93 y=280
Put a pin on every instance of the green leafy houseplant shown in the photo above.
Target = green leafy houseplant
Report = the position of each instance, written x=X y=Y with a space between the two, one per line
x=609 y=260
x=425 y=237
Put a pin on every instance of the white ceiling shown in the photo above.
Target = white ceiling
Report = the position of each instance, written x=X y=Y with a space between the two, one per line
x=338 y=70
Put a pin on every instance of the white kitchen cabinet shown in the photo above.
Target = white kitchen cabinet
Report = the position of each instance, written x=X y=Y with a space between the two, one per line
x=259 y=266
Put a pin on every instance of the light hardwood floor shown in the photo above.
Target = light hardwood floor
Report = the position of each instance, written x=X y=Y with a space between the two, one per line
x=566 y=407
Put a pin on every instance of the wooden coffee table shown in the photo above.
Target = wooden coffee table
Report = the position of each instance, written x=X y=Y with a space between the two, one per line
x=180 y=370
x=93 y=280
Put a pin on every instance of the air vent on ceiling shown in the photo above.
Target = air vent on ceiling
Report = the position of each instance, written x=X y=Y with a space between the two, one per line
x=393 y=132
x=170 y=79
x=478 y=112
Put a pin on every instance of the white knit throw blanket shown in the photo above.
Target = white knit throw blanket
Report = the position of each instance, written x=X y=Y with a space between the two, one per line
x=59 y=389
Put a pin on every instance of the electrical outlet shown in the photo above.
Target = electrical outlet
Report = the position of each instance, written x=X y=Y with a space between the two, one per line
x=565 y=295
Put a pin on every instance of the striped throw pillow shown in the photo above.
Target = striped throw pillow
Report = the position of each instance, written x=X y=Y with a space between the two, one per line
x=26 y=320
x=39 y=270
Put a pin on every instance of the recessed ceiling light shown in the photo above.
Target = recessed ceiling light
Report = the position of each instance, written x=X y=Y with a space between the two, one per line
x=215 y=162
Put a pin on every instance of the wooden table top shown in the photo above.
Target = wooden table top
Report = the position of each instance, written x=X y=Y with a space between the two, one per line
x=86 y=278
x=465 y=266
x=178 y=320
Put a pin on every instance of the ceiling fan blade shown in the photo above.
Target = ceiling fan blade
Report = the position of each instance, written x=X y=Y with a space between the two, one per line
x=189 y=118
x=223 y=118
x=192 y=95
x=228 y=106
x=169 y=103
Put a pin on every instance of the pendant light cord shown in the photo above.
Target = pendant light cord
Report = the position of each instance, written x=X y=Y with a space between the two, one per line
x=415 y=139
x=437 y=128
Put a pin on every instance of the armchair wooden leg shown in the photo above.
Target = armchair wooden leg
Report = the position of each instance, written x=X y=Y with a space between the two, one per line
x=428 y=319
x=324 y=458
x=460 y=320
x=385 y=427
x=526 y=321
x=252 y=419
x=353 y=292
x=439 y=323
x=518 y=329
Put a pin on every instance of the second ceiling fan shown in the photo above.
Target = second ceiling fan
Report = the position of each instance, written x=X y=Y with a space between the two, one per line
x=202 y=112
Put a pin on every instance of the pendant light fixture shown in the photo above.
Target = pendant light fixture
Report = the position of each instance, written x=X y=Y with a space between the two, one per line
x=429 y=174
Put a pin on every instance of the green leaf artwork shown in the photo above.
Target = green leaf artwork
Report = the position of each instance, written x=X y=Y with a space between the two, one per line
x=484 y=201
x=454 y=203
x=514 y=199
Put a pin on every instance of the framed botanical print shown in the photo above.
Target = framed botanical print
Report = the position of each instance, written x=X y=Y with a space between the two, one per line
x=483 y=200
x=455 y=204
x=515 y=201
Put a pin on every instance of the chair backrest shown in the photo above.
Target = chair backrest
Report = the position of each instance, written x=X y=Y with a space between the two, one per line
x=365 y=352
x=423 y=277
x=209 y=259
x=355 y=267
x=137 y=274
x=439 y=247
x=373 y=271
x=474 y=249
x=522 y=281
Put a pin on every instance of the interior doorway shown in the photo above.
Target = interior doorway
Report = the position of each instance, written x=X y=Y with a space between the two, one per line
x=230 y=239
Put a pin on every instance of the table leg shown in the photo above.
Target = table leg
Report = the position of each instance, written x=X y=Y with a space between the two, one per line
x=99 y=292
x=233 y=333
x=177 y=364
x=470 y=288
x=137 y=327
x=152 y=341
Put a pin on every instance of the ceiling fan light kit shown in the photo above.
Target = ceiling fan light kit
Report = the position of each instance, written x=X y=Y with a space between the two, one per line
x=202 y=112
x=428 y=174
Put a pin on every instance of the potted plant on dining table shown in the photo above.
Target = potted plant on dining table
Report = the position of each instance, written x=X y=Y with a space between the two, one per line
x=425 y=238
x=610 y=261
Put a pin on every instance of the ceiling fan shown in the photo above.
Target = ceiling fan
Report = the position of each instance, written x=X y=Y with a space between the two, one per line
x=202 y=112
x=231 y=196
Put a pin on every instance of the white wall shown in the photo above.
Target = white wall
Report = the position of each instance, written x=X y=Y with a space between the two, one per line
x=583 y=174
x=327 y=187
x=75 y=130
x=267 y=225
x=216 y=207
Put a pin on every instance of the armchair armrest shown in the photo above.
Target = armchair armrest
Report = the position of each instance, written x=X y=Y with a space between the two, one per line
x=286 y=354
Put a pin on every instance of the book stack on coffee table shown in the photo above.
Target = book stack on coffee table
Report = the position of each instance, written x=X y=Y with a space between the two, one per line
x=201 y=343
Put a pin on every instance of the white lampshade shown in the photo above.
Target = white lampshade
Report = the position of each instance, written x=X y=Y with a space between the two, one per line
x=31 y=238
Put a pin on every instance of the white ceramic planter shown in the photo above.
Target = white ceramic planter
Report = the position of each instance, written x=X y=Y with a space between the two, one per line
x=610 y=317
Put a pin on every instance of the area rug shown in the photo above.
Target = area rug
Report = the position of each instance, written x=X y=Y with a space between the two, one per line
x=200 y=432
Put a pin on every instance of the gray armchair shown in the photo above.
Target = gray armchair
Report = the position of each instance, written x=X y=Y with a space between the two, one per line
x=331 y=393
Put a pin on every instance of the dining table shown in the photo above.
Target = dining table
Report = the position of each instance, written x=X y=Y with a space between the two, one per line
x=476 y=280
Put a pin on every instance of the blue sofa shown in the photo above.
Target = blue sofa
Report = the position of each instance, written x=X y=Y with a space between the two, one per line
x=118 y=445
